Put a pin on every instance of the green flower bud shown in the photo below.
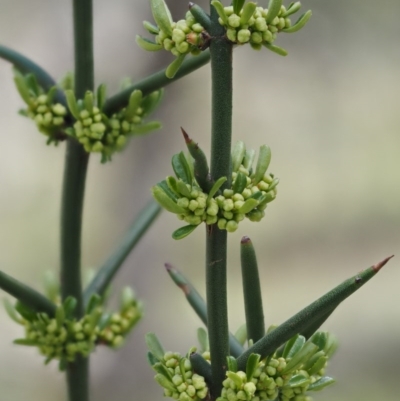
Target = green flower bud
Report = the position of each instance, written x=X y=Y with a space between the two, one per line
x=178 y=35
x=256 y=37
x=197 y=28
x=231 y=35
x=231 y=226
x=260 y=24
x=234 y=21
x=222 y=224
x=243 y=36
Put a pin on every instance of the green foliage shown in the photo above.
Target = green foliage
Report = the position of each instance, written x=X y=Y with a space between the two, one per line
x=251 y=190
x=63 y=337
x=107 y=135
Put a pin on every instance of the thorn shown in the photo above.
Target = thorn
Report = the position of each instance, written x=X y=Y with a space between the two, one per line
x=245 y=240
x=168 y=266
x=379 y=265
x=191 y=5
x=186 y=136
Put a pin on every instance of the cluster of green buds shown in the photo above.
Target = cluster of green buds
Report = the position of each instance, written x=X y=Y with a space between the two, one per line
x=195 y=198
x=186 y=36
x=258 y=26
x=115 y=327
x=106 y=135
x=293 y=370
x=175 y=372
x=43 y=107
x=62 y=337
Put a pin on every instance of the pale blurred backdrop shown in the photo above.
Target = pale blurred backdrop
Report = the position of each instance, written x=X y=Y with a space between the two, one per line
x=330 y=112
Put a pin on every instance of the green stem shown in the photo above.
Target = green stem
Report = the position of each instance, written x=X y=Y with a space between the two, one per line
x=76 y=163
x=154 y=82
x=27 y=295
x=198 y=304
x=106 y=273
x=216 y=240
x=251 y=291
x=307 y=317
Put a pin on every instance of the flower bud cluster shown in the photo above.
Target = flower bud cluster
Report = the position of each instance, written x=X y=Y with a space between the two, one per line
x=287 y=378
x=186 y=36
x=121 y=323
x=63 y=337
x=43 y=108
x=176 y=375
x=107 y=135
x=259 y=26
x=248 y=196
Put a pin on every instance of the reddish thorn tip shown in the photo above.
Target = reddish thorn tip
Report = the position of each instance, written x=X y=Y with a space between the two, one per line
x=185 y=135
x=379 y=265
x=168 y=266
x=191 y=5
x=245 y=240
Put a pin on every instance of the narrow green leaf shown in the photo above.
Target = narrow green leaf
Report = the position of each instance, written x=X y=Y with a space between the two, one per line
x=201 y=170
x=294 y=7
x=317 y=366
x=298 y=380
x=147 y=44
x=160 y=368
x=88 y=101
x=173 y=68
x=11 y=312
x=241 y=334
x=26 y=341
x=69 y=306
x=313 y=360
x=237 y=6
x=26 y=312
x=162 y=15
x=248 y=205
x=299 y=23
x=249 y=158
x=320 y=339
x=251 y=365
x=202 y=337
x=321 y=383
x=60 y=316
x=154 y=30
x=240 y=183
x=183 y=231
x=274 y=7
x=151 y=359
x=72 y=103
x=151 y=102
x=146 y=128
x=217 y=185
x=220 y=10
x=247 y=13
x=300 y=358
x=134 y=103
x=23 y=90
x=264 y=159
x=154 y=345
x=181 y=168
x=183 y=189
x=231 y=363
x=275 y=49
x=164 y=382
x=238 y=153
x=235 y=378
x=182 y=367
x=296 y=346
x=94 y=302
x=101 y=96
x=165 y=201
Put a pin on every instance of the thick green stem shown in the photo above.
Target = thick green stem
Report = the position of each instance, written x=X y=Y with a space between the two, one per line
x=216 y=240
x=155 y=82
x=27 y=295
x=76 y=163
x=110 y=268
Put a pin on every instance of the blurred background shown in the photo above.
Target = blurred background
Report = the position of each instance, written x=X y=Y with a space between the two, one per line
x=329 y=111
